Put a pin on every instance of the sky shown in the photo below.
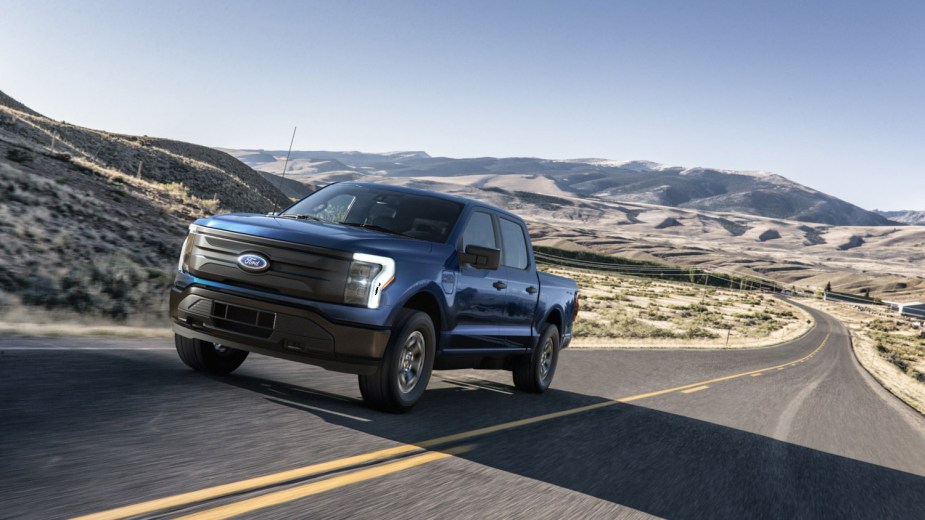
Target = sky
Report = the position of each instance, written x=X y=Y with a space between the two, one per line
x=830 y=94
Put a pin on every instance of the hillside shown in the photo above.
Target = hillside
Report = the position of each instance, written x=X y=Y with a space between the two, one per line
x=90 y=231
x=754 y=193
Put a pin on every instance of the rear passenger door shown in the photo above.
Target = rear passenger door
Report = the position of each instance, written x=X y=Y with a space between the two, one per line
x=522 y=293
x=479 y=302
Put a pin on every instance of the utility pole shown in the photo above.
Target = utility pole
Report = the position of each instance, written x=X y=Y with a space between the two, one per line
x=703 y=291
x=138 y=173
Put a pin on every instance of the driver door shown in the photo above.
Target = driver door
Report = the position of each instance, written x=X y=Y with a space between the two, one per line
x=479 y=301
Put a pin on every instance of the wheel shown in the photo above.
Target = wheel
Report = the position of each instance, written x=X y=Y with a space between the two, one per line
x=534 y=373
x=405 y=370
x=203 y=356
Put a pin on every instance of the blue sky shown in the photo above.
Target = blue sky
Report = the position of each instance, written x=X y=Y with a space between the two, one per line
x=829 y=94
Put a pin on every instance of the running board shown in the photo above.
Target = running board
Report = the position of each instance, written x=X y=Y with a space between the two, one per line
x=500 y=351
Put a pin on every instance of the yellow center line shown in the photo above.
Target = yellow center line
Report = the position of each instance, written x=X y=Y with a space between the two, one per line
x=756 y=375
x=249 y=484
x=404 y=449
x=288 y=495
x=692 y=390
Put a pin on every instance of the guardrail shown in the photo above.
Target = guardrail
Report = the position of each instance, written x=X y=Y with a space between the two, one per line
x=833 y=296
x=693 y=275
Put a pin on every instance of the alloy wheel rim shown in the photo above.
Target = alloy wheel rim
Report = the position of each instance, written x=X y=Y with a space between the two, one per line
x=546 y=356
x=411 y=362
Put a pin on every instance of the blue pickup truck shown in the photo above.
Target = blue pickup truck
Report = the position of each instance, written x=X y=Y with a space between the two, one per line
x=385 y=282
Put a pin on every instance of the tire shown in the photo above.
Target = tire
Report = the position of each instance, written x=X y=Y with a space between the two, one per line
x=534 y=373
x=405 y=371
x=203 y=356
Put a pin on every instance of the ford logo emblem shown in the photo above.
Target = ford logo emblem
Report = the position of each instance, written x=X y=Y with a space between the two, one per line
x=253 y=263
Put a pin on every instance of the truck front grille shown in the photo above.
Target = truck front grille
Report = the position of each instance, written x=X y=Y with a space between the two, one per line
x=297 y=270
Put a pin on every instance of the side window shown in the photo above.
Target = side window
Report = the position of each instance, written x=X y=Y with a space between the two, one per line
x=513 y=245
x=479 y=231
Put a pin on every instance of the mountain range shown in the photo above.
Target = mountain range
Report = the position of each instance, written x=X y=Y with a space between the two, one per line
x=751 y=192
x=911 y=217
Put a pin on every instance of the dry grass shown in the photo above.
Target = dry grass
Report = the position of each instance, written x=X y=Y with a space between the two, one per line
x=77 y=329
x=621 y=312
x=22 y=320
x=888 y=346
x=177 y=194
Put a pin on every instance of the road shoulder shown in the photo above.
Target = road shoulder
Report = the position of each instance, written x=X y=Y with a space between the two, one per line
x=888 y=375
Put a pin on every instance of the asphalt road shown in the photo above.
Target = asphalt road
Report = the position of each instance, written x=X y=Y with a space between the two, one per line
x=795 y=431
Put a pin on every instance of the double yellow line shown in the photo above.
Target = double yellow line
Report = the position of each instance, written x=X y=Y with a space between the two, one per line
x=288 y=495
x=313 y=488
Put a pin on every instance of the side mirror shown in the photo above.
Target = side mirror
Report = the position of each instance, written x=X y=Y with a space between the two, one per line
x=481 y=257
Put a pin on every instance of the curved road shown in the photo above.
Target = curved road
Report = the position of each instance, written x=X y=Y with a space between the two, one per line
x=795 y=431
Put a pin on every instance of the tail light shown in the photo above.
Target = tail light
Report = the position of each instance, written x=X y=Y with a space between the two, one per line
x=577 y=306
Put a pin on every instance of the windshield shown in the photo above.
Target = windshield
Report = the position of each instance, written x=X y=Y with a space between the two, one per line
x=405 y=214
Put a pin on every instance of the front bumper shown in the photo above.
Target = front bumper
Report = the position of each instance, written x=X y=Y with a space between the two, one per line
x=281 y=331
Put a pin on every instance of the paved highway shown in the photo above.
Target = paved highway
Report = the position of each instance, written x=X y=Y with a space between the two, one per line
x=122 y=428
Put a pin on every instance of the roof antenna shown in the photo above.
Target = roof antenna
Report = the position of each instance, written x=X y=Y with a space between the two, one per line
x=279 y=185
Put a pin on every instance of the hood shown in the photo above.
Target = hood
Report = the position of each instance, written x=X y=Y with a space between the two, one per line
x=321 y=234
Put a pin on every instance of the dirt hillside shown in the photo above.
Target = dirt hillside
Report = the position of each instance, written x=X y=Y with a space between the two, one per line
x=91 y=222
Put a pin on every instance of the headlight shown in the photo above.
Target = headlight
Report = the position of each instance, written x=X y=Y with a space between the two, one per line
x=183 y=264
x=368 y=276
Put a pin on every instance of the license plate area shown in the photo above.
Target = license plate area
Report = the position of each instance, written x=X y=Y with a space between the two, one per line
x=243 y=320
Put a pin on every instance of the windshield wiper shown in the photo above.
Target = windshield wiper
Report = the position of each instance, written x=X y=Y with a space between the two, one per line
x=374 y=228
x=301 y=217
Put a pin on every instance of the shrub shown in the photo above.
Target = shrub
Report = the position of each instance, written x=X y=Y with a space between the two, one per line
x=18 y=155
x=41 y=291
x=6 y=301
x=882 y=325
x=654 y=315
x=695 y=332
x=901 y=363
x=694 y=307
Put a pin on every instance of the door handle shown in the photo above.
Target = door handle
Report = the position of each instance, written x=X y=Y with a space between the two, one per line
x=499 y=285
x=532 y=290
